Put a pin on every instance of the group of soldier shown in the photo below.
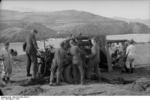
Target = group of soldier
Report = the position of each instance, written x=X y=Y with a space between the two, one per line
x=63 y=55
x=69 y=52
x=123 y=55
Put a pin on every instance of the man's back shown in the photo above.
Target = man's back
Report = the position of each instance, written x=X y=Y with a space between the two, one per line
x=31 y=43
x=60 y=53
x=130 y=50
x=75 y=51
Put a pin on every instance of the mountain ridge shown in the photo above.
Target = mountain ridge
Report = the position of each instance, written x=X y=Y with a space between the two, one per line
x=144 y=21
x=63 y=22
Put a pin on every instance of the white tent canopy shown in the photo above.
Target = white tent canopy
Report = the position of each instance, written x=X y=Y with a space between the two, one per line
x=142 y=50
x=135 y=37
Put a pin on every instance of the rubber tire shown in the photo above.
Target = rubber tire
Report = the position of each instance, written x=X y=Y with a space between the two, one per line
x=68 y=74
x=78 y=75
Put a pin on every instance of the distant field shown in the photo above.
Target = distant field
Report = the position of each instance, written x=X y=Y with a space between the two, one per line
x=18 y=45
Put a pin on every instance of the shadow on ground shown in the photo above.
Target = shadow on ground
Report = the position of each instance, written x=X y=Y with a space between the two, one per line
x=112 y=83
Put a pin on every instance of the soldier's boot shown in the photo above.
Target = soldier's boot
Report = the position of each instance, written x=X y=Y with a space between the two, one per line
x=28 y=65
x=82 y=80
x=52 y=70
x=74 y=73
x=51 y=84
x=82 y=83
x=8 y=79
x=97 y=70
x=98 y=77
x=127 y=70
x=1 y=93
x=132 y=70
x=51 y=78
x=82 y=75
x=35 y=68
x=88 y=76
x=58 y=74
x=58 y=81
x=4 y=79
x=132 y=67
x=89 y=72
x=29 y=75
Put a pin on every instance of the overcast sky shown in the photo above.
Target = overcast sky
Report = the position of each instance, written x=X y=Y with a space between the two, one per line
x=110 y=8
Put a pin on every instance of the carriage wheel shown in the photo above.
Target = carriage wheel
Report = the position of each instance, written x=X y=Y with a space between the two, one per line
x=68 y=74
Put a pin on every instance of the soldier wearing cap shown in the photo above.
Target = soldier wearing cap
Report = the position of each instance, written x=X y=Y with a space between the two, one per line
x=31 y=49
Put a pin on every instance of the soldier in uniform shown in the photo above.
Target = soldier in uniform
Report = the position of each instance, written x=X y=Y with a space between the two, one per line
x=31 y=49
x=7 y=62
x=76 y=52
x=130 y=54
x=94 y=59
x=60 y=59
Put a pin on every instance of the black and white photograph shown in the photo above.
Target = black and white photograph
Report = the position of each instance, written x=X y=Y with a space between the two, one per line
x=74 y=48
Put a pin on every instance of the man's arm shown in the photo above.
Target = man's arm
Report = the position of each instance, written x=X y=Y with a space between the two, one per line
x=1 y=55
x=24 y=46
x=93 y=53
x=127 y=50
x=34 y=42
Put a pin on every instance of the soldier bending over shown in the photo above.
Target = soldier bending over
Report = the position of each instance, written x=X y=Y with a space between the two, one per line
x=94 y=59
x=58 y=63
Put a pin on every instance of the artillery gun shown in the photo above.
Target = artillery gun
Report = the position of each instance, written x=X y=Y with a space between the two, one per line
x=45 y=58
x=84 y=42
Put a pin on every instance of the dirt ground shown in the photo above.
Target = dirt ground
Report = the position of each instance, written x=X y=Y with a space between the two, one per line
x=113 y=83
